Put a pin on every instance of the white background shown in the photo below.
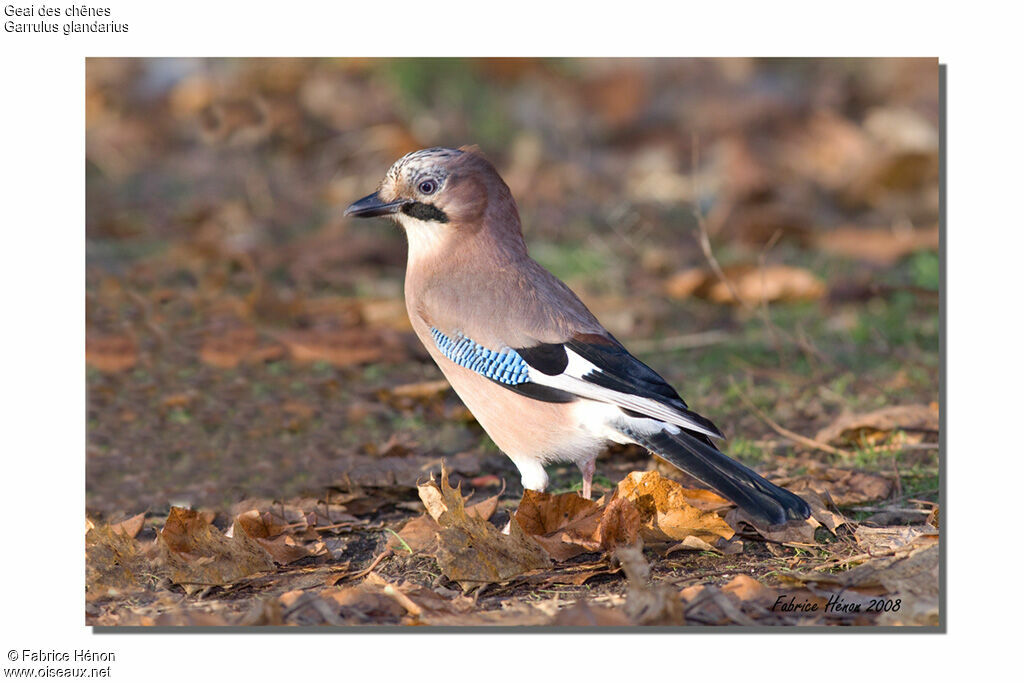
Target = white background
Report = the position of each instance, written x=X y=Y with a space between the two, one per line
x=42 y=260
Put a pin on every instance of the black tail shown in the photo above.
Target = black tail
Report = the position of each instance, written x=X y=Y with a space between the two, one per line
x=735 y=481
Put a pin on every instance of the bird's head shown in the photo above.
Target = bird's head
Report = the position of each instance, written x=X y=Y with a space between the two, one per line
x=440 y=194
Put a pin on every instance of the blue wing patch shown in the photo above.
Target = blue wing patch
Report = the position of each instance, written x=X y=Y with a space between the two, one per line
x=507 y=366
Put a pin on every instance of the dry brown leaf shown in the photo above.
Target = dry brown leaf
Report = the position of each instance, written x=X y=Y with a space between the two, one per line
x=566 y=525
x=877 y=427
x=305 y=518
x=258 y=524
x=485 y=509
x=199 y=555
x=433 y=499
x=420 y=390
x=419 y=534
x=114 y=562
x=891 y=173
x=620 y=525
x=844 y=486
x=473 y=552
x=285 y=549
x=829 y=149
x=363 y=601
x=875 y=540
x=560 y=523
x=829 y=518
x=111 y=353
x=747 y=588
x=665 y=513
x=691 y=543
x=582 y=613
x=339 y=347
x=130 y=527
x=878 y=245
x=752 y=283
x=799 y=531
x=227 y=348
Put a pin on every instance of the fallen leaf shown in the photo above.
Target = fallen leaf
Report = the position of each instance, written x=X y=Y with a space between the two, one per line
x=364 y=601
x=563 y=524
x=340 y=348
x=875 y=540
x=199 y=555
x=418 y=534
x=420 y=390
x=844 y=486
x=228 y=348
x=878 y=245
x=583 y=613
x=620 y=525
x=691 y=543
x=567 y=525
x=829 y=518
x=111 y=353
x=800 y=531
x=114 y=562
x=130 y=527
x=752 y=283
x=665 y=513
x=892 y=173
x=473 y=552
x=284 y=549
x=877 y=427
x=258 y=524
x=746 y=588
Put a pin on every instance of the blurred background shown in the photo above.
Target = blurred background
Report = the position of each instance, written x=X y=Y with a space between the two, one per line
x=764 y=233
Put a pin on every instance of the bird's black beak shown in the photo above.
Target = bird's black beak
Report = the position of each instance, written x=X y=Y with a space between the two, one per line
x=371 y=205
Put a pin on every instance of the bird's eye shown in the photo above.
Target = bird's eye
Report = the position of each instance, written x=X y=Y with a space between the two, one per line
x=428 y=187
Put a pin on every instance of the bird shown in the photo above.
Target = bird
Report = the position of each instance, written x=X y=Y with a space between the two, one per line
x=538 y=371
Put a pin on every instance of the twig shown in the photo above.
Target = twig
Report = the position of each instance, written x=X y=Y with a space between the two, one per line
x=899 y=480
x=705 y=240
x=373 y=565
x=402 y=599
x=766 y=318
x=793 y=436
x=705 y=245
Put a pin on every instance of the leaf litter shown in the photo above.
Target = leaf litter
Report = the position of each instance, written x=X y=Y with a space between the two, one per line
x=649 y=552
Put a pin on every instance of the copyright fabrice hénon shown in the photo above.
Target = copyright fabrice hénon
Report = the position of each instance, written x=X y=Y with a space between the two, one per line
x=37 y=17
x=40 y=656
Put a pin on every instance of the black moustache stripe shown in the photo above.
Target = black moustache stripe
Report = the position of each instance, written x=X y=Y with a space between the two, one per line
x=424 y=212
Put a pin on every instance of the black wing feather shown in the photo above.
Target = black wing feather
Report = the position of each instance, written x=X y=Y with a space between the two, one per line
x=618 y=370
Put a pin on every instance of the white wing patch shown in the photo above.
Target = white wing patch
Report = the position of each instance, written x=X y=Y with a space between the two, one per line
x=571 y=380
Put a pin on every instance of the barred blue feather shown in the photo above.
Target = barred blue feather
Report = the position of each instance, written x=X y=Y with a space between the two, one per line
x=506 y=366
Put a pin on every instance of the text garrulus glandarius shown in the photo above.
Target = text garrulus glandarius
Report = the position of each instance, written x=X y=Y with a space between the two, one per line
x=538 y=371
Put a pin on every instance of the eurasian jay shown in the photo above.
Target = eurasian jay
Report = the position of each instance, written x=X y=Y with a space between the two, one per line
x=541 y=375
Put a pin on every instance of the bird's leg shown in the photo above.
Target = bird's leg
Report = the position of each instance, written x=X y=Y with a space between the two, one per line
x=587 y=468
